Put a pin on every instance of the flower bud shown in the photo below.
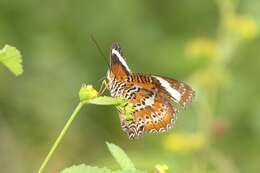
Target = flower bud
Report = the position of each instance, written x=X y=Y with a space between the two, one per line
x=87 y=92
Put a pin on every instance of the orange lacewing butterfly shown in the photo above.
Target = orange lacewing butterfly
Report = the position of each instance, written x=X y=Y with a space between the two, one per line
x=152 y=96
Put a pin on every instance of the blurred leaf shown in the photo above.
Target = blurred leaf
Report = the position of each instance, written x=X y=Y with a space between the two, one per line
x=12 y=59
x=93 y=169
x=120 y=156
x=85 y=169
x=129 y=171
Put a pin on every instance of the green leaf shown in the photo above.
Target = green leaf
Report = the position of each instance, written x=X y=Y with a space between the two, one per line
x=120 y=156
x=12 y=59
x=121 y=103
x=129 y=171
x=105 y=100
x=85 y=169
x=91 y=169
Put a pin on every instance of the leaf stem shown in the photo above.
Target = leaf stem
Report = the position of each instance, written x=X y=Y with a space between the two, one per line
x=59 y=138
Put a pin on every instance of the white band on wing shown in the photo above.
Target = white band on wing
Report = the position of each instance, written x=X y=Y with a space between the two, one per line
x=173 y=92
x=121 y=59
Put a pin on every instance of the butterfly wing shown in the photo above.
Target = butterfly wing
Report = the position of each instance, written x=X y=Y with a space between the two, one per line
x=179 y=91
x=154 y=111
x=151 y=96
x=118 y=65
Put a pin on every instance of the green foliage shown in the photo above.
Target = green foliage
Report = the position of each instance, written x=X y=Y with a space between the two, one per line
x=211 y=45
x=92 y=169
x=12 y=59
x=105 y=100
x=120 y=156
x=88 y=94
x=85 y=169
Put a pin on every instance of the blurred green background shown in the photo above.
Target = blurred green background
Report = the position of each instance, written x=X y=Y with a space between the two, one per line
x=212 y=45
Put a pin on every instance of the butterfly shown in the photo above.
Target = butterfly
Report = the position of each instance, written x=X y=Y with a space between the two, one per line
x=152 y=96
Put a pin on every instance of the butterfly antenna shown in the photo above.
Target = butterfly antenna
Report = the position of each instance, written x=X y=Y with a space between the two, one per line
x=99 y=49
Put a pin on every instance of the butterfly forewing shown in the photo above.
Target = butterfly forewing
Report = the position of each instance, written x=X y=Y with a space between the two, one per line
x=118 y=64
x=179 y=91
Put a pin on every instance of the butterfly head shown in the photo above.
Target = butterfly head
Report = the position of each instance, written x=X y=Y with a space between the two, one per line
x=118 y=67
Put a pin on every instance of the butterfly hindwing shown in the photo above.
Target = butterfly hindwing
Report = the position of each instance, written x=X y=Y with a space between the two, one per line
x=153 y=109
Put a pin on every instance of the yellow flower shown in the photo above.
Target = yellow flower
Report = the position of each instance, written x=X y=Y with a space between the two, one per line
x=161 y=168
x=201 y=47
x=87 y=92
x=184 y=143
x=245 y=26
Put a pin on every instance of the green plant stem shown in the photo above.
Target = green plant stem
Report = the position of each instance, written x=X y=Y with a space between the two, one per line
x=58 y=140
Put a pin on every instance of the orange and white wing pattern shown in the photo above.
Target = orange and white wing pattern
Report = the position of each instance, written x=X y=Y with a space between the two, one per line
x=118 y=66
x=179 y=91
x=154 y=111
x=152 y=97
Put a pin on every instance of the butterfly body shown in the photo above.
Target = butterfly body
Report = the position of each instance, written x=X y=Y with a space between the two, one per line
x=150 y=95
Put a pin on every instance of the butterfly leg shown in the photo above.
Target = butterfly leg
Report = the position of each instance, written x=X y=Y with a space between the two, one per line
x=103 y=87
